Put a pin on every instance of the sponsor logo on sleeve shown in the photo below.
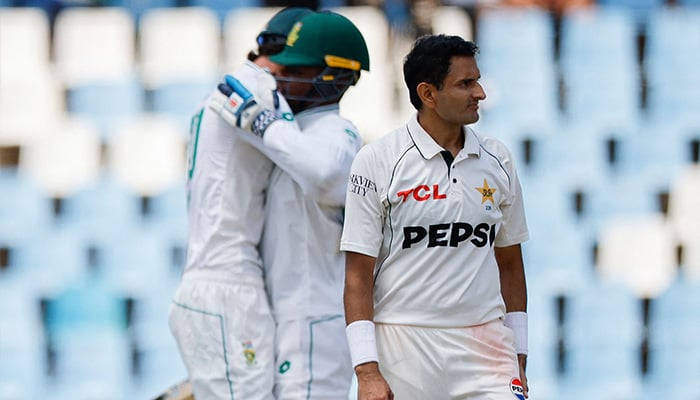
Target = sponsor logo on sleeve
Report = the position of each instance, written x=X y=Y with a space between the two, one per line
x=360 y=185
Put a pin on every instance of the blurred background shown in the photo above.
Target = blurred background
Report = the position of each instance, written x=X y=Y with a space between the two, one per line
x=598 y=100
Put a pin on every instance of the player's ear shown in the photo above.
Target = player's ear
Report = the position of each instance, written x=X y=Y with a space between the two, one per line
x=426 y=92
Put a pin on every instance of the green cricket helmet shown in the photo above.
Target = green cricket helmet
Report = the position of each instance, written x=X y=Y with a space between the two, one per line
x=273 y=37
x=330 y=40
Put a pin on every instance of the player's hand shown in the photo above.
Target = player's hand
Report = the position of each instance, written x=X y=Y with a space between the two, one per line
x=371 y=385
x=252 y=110
x=522 y=362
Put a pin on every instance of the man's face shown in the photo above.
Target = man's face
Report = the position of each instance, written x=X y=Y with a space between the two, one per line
x=458 y=100
x=294 y=90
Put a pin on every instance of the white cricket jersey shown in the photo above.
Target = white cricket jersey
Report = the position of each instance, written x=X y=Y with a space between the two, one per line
x=432 y=224
x=304 y=268
x=227 y=179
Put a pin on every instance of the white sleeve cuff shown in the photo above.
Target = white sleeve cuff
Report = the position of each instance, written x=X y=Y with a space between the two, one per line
x=517 y=321
x=362 y=342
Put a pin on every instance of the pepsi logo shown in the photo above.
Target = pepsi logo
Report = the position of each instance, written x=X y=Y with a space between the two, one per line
x=516 y=387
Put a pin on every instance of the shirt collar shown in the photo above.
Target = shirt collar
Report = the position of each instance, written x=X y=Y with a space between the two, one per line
x=427 y=146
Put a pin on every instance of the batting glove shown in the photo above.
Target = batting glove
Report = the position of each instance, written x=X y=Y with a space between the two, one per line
x=242 y=108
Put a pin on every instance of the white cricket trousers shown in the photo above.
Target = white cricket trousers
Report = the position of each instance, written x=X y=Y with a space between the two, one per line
x=470 y=363
x=313 y=359
x=225 y=333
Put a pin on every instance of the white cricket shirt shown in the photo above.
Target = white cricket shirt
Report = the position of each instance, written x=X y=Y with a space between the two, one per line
x=304 y=268
x=433 y=225
x=227 y=179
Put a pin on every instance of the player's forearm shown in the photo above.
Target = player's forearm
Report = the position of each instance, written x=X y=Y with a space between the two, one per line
x=357 y=296
x=319 y=164
x=512 y=276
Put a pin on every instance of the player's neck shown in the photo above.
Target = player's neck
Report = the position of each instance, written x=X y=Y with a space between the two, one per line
x=448 y=136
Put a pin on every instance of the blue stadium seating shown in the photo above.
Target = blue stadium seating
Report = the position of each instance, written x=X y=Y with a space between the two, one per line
x=102 y=210
x=223 y=7
x=517 y=62
x=107 y=105
x=180 y=100
x=671 y=64
x=674 y=326
x=138 y=7
x=159 y=362
x=24 y=208
x=22 y=345
x=600 y=72
x=641 y=9
x=603 y=333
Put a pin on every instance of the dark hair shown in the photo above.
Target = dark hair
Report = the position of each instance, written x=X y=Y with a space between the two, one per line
x=268 y=44
x=429 y=61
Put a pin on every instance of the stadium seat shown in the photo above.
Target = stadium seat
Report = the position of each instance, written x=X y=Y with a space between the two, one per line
x=683 y=198
x=543 y=339
x=57 y=259
x=106 y=104
x=671 y=60
x=180 y=101
x=683 y=216
x=94 y=45
x=639 y=252
x=452 y=20
x=375 y=89
x=66 y=160
x=241 y=28
x=138 y=7
x=640 y=9
x=674 y=356
x=517 y=65
x=22 y=346
x=179 y=45
x=25 y=43
x=102 y=211
x=169 y=208
x=147 y=154
x=24 y=208
x=600 y=72
x=94 y=52
x=25 y=70
x=159 y=362
x=132 y=263
x=91 y=364
x=223 y=7
x=86 y=327
x=602 y=336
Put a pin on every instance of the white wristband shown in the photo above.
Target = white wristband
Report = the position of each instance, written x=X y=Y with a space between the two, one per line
x=362 y=342
x=517 y=321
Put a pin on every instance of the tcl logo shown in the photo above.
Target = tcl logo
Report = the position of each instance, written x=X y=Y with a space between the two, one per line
x=422 y=193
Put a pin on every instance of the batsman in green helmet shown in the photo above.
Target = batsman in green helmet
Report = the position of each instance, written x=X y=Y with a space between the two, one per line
x=323 y=57
x=313 y=150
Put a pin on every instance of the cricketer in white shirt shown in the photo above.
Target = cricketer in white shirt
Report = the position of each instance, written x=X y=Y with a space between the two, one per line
x=304 y=268
x=220 y=316
x=432 y=222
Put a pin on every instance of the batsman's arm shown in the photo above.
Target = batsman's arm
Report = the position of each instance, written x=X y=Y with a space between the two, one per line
x=359 y=312
x=514 y=292
x=319 y=163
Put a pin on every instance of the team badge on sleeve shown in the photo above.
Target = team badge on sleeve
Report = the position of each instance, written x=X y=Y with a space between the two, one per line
x=516 y=387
